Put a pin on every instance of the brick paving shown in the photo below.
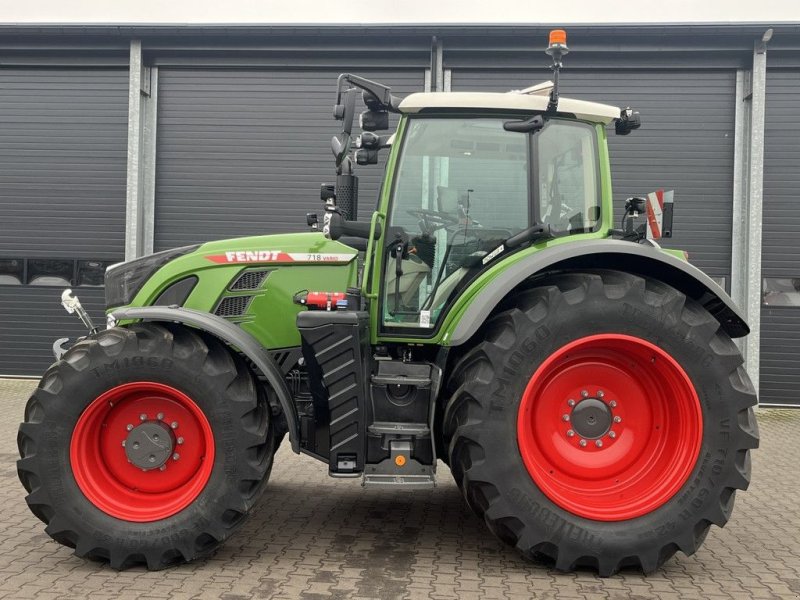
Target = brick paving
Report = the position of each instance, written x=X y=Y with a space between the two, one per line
x=313 y=537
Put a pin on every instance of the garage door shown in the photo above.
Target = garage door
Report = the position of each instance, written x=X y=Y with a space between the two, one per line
x=243 y=152
x=63 y=140
x=685 y=143
x=780 y=314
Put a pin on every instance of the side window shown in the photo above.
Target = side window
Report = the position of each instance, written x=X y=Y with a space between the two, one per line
x=568 y=183
x=461 y=189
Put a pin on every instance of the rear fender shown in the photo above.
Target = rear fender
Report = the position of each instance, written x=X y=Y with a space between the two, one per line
x=603 y=254
x=233 y=336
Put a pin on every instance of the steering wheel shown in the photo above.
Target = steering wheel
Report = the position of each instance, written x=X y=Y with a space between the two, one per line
x=431 y=220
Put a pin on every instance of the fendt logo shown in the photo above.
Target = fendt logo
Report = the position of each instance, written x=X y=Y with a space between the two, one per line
x=276 y=256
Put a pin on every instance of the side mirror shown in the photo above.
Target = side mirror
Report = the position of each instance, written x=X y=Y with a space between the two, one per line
x=366 y=157
x=371 y=120
x=627 y=122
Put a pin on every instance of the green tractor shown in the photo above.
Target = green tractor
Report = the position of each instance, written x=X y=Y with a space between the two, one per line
x=580 y=382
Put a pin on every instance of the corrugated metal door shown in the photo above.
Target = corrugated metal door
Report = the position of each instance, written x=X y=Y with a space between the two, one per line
x=243 y=152
x=685 y=143
x=63 y=140
x=780 y=314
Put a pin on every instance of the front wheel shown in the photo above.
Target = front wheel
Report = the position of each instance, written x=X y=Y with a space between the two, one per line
x=145 y=445
x=602 y=420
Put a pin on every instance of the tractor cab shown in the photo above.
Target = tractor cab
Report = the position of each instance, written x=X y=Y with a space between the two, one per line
x=471 y=178
x=469 y=175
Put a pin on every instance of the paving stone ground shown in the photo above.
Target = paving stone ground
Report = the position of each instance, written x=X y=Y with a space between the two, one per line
x=313 y=537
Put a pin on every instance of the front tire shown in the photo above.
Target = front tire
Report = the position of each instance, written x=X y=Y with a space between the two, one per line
x=145 y=445
x=602 y=420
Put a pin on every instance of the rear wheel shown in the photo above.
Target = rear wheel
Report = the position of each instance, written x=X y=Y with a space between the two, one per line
x=145 y=445
x=601 y=420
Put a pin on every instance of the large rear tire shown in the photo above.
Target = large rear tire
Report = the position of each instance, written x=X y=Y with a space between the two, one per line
x=145 y=445
x=602 y=420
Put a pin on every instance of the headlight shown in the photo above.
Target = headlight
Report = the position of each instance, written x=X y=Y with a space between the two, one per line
x=124 y=280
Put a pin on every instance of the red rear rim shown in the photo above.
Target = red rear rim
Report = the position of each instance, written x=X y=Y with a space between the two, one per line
x=142 y=451
x=610 y=427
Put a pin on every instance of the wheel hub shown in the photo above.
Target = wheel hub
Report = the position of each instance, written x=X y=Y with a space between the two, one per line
x=591 y=418
x=149 y=445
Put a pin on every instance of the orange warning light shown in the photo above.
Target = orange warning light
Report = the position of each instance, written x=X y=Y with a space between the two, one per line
x=558 y=36
x=400 y=460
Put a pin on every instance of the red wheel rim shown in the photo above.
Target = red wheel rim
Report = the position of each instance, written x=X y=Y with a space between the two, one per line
x=610 y=427
x=121 y=417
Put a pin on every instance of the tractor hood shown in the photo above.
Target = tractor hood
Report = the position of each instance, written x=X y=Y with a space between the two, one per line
x=250 y=281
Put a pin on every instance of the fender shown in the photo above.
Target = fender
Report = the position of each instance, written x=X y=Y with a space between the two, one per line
x=604 y=254
x=231 y=335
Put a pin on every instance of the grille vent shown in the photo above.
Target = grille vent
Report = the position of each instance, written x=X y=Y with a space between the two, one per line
x=233 y=306
x=249 y=280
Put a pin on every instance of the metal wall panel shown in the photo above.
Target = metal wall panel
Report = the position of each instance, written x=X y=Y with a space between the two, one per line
x=243 y=152
x=685 y=143
x=780 y=325
x=63 y=153
x=63 y=135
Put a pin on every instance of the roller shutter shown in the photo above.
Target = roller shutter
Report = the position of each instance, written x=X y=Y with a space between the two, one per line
x=685 y=143
x=63 y=144
x=243 y=152
x=780 y=315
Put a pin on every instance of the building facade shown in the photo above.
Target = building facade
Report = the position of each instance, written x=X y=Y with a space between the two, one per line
x=120 y=141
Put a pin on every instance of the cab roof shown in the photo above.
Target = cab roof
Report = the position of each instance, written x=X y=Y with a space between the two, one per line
x=533 y=99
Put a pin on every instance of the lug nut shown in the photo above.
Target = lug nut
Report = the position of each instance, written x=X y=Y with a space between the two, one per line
x=584 y=393
x=152 y=458
x=123 y=443
x=128 y=426
x=160 y=416
x=612 y=434
x=135 y=445
x=571 y=402
x=613 y=404
x=598 y=443
x=176 y=456
x=162 y=468
x=570 y=433
x=143 y=417
x=565 y=417
x=174 y=424
x=617 y=419
x=180 y=440
x=600 y=393
x=582 y=443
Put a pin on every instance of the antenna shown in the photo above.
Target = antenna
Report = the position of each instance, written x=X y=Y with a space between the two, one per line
x=557 y=49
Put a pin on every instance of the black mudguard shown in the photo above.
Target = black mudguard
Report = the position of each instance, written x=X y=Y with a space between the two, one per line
x=232 y=335
x=605 y=254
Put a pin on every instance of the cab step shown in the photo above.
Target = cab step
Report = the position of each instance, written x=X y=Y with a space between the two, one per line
x=399 y=470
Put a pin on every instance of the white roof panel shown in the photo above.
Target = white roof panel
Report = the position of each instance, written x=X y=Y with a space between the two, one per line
x=514 y=101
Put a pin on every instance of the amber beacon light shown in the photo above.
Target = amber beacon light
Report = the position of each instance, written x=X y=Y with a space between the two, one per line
x=558 y=38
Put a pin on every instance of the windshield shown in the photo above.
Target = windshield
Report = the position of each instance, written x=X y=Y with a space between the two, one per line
x=463 y=186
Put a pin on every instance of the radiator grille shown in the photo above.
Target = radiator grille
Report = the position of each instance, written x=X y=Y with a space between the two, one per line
x=249 y=280
x=233 y=306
